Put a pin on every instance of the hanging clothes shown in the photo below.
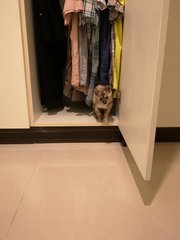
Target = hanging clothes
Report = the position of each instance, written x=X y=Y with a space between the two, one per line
x=83 y=56
x=116 y=9
x=89 y=19
x=112 y=52
x=71 y=16
x=94 y=64
x=50 y=42
x=70 y=7
x=89 y=14
x=75 y=51
x=88 y=23
x=75 y=78
x=118 y=28
x=105 y=40
x=96 y=39
x=70 y=93
x=100 y=4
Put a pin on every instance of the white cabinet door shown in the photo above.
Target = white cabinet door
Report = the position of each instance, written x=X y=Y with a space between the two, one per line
x=13 y=98
x=142 y=61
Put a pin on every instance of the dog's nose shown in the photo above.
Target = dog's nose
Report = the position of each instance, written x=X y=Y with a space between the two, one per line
x=104 y=101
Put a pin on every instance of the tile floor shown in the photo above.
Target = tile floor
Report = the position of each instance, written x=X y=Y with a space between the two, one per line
x=87 y=192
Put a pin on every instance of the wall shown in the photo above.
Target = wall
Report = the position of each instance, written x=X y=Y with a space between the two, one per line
x=13 y=99
x=169 y=108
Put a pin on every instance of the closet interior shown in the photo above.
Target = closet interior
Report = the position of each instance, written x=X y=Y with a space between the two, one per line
x=67 y=113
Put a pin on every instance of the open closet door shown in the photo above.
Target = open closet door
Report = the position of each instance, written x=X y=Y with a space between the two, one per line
x=144 y=38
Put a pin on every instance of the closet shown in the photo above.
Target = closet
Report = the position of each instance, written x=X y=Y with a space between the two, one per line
x=74 y=113
x=145 y=26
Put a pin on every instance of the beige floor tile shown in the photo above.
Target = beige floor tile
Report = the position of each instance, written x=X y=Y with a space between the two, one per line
x=16 y=168
x=72 y=202
x=22 y=147
x=89 y=194
x=104 y=155
x=82 y=146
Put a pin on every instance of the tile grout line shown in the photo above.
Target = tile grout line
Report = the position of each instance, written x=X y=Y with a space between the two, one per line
x=22 y=196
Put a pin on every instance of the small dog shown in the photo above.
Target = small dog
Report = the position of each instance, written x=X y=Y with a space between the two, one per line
x=102 y=102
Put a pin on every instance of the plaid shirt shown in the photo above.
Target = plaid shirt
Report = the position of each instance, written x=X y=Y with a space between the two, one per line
x=94 y=64
x=100 y=4
x=89 y=14
x=116 y=9
x=89 y=18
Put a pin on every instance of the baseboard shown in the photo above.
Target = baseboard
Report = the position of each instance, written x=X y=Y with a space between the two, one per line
x=60 y=134
x=168 y=134
x=77 y=134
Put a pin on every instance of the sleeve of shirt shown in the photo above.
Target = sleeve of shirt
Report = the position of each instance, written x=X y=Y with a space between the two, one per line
x=71 y=6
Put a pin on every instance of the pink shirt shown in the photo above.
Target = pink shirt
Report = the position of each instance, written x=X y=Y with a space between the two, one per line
x=75 y=79
x=75 y=51
x=70 y=13
x=70 y=7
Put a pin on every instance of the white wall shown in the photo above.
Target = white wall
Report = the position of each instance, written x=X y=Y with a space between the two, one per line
x=13 y=99
x=169 y=108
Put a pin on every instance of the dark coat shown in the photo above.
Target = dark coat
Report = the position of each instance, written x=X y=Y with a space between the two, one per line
x=50 y=38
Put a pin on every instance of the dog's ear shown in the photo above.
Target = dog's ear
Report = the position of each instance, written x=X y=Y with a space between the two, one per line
x=96 y=91
x=108 y=88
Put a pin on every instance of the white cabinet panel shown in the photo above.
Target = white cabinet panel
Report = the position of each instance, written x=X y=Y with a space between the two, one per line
x=13 y=99
x=142 y=59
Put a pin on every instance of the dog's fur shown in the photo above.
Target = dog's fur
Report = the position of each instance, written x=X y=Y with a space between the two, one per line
x=102 y=102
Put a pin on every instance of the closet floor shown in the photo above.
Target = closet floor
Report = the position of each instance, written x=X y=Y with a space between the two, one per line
x=76 y=116
x=87 y=191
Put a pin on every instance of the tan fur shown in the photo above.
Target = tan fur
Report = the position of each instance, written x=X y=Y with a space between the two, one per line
x=102 y=102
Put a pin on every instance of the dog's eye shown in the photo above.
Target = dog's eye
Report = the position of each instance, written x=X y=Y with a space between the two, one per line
x=107 y=97
x=101 y=99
